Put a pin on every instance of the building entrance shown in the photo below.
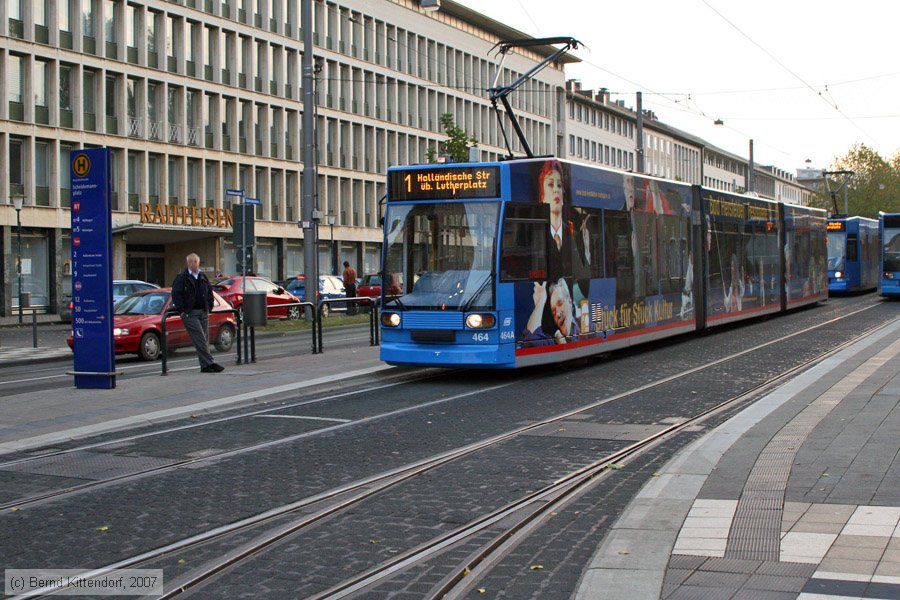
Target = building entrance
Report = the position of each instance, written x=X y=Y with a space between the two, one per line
x=147 y=266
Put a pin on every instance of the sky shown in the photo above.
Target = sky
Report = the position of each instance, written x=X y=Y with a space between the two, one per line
x=805 y=80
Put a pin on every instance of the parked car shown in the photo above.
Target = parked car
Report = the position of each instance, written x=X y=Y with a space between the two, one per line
x=121 y=289
x=138 y=321
x=370 y=287
x=126 y=287
x=330 y=287
x=232 y=289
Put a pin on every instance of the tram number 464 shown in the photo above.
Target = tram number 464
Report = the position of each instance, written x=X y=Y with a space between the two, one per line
x=480 y=337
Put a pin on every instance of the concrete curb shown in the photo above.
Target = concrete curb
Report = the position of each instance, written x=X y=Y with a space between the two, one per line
x=155 y=417
x=40 y=360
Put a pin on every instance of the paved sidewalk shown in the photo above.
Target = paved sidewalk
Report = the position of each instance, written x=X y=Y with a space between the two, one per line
x=17 y=356
x=796 y=497
x=32 y=420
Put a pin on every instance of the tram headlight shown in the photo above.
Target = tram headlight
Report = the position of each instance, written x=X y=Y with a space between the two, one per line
x=480 y=321
x=838 y=274
x=888 y=275
x=390 y=319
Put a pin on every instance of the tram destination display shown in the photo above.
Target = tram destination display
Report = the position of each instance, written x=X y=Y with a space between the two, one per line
x=444 y=183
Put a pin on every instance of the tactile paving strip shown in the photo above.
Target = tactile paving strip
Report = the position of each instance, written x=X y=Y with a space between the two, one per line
x=756 y=529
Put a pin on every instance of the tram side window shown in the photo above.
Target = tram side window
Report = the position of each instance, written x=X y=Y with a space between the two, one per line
x=673 y=253
x=619 y=254
x=588 y=243
x=524 y=242
x=725 y=256
x=851 y=247
x=646 y=242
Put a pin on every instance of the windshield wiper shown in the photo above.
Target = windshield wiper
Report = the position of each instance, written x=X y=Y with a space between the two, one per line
x=397 y=300
x=477 y=293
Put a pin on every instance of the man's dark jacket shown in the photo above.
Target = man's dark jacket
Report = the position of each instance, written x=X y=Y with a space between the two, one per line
x=185 y=290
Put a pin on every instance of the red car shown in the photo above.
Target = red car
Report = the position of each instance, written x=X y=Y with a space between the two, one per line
x=232 y=289
x=369 y=286
x=138 y=318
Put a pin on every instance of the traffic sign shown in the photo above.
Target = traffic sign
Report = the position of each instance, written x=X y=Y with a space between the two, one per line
x=252 y=201
x=238 y=193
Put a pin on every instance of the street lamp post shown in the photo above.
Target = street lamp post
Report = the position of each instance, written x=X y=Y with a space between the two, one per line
x=17 y=201
x=330 y=220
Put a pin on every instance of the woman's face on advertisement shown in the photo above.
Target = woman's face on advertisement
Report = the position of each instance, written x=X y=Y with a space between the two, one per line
x=552 y=192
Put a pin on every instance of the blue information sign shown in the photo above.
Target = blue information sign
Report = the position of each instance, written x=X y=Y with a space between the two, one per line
x=252 y=201
x=92 y=313
x=238 y=193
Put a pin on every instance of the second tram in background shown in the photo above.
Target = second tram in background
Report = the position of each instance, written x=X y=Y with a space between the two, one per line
x=531 y=261
x=890 y=254
x=853 y=254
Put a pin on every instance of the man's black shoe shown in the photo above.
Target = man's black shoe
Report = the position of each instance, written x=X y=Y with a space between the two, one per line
x=216 y=367
x=208 y=369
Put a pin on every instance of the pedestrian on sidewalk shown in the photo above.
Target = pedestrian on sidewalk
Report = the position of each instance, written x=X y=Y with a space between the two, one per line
x=350 y=286
x=193 y=299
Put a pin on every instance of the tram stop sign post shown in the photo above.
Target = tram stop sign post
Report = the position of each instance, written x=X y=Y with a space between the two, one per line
x=243 y=230
x=92 y=297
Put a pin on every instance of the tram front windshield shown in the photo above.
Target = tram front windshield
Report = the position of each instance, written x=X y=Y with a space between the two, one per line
x=440 y=256
x=892 y=249
x=836 y=249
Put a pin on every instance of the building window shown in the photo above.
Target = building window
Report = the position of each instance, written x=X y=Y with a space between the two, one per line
x=110 y=95
x=39 y=82
x=151 y=32
x=173 y=180
x=109 y=21
x=209 y=184
x=63 y=12
x=14 y=9
x=39 y=12
x=88 y=92
x=132 y=18
x=87 y=18
x=16 y=168
x=41 y=172
x=15 y=78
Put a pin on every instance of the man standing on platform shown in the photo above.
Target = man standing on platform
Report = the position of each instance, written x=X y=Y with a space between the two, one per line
x=193 y=299
x=350 y=286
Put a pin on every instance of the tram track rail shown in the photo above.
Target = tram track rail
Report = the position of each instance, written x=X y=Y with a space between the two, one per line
x=355 y=493
x=100 y=483
x=532 y=510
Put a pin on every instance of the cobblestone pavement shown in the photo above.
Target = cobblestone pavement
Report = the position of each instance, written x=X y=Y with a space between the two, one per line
x=397 y=521
x=440 y=414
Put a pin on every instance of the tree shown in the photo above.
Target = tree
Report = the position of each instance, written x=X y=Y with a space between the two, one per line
x=457 y=144
x=874 y=186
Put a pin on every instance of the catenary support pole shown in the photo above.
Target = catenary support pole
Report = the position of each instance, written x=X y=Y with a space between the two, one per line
x=310 y=243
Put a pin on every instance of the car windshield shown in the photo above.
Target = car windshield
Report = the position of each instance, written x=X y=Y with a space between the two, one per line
x=295 y=284
x=142 y=304
x=222 y=284
x=441 y=256
x=836 y=248
x=371 y=280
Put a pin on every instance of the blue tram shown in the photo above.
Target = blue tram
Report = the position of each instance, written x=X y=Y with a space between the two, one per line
x=853 y=254
x=890 y=254
x=534 y=261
